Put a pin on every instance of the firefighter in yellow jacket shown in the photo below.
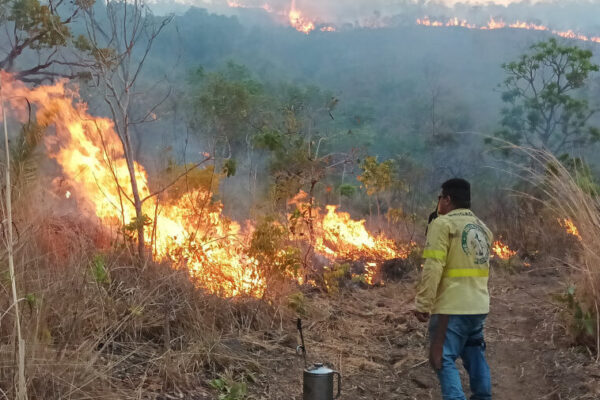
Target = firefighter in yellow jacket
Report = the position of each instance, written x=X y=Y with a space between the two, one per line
x=454 y=292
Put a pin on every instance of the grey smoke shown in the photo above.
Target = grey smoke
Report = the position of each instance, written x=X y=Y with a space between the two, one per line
x=563 y=15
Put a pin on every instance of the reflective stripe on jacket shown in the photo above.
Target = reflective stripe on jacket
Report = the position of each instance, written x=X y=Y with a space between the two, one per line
x=455 y=274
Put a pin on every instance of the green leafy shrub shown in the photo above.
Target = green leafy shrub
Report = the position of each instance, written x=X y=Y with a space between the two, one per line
x=99 y=271
x=276 y=258
x=333 y=277
x=583 y=322
x=297 y=302
x=229 y=389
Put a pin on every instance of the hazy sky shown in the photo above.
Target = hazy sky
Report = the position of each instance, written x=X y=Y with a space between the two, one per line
x=373 y=4
x=559 y=14
x=380 y=3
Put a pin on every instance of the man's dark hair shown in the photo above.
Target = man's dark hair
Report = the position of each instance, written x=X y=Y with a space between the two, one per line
x=459 y=191
x=432 y=216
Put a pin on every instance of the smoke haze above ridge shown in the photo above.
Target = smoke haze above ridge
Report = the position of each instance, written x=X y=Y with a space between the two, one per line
x=565 y=14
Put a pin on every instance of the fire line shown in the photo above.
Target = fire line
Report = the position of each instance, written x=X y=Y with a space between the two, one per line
x=188 y=229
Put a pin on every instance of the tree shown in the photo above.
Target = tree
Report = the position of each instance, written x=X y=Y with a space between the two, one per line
x=224 y=106
x=121 y=44
x=377 y=178
x=275 y=257
x=301 y=149
x=41 y=36
x=545 y=108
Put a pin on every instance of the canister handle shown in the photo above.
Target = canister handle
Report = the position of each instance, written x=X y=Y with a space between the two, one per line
x=339 y=391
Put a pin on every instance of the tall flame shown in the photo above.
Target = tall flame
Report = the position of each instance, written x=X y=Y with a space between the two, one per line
x=298 y=21
x=90 y=154
x=187 y=229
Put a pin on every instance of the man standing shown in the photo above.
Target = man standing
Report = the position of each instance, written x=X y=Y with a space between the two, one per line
x=454 y=291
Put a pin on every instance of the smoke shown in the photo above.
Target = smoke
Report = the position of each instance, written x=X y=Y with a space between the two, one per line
x=563 y=14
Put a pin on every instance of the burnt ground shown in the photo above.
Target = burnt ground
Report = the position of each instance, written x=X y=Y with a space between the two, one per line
x=379 y=347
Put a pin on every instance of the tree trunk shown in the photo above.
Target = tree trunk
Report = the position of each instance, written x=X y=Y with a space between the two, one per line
x=310 y=223
x=137 y=201
x=21 y=382
x=311 y=226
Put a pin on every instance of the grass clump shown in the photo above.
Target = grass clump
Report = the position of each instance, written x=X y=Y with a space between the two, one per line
x=567 y=192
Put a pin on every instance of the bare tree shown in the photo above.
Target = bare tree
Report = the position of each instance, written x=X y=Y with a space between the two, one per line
x=121 y=42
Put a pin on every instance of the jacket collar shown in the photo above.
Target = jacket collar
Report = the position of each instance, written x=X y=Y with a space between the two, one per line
x=460 y=211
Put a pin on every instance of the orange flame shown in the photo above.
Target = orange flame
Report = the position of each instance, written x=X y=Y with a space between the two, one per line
x=493 y=24
x=502 y=250
x=337 y=236
x=570 y=227
x=294 y=16
x=298 y=21
x=90 y=154
x=189 y=230
x=370 y=273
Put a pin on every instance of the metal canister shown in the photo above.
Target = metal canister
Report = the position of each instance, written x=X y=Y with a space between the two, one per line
x=318 y=383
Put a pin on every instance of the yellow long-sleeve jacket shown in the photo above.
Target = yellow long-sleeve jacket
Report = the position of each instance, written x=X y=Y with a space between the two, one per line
x=456 y=270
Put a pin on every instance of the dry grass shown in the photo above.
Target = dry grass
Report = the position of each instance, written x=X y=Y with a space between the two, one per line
x=566 y=194
x=97 y=326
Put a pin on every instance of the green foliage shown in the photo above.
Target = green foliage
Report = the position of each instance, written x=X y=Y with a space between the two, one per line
x=36 y=25
x=185 y=180
x=82 y=43
x=138 y=222
x=583 y=322
x=297 y=302
x=224 y=103
x=347 y=190
x=43 y=27
x=32 y=300
x=334 y=275
x=99 y=270
x=361 y=278
x=230 y=167
x=270 y=140
x=377 y=177
x=581 y=172
x=242 y=114
x=543 y=106
x=229 y=389
x=269 y=247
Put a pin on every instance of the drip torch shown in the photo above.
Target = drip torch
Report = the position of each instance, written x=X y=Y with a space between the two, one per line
x=318 y=379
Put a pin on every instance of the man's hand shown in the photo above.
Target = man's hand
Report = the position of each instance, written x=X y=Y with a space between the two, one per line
x=421 y=316
x=436 y=352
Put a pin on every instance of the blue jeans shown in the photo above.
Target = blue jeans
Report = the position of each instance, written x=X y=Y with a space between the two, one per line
x=464 y=339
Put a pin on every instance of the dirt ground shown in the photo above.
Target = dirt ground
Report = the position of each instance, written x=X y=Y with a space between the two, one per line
x=379 y=348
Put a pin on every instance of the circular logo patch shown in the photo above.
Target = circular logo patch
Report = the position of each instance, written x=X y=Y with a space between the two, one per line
x=476 y=243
